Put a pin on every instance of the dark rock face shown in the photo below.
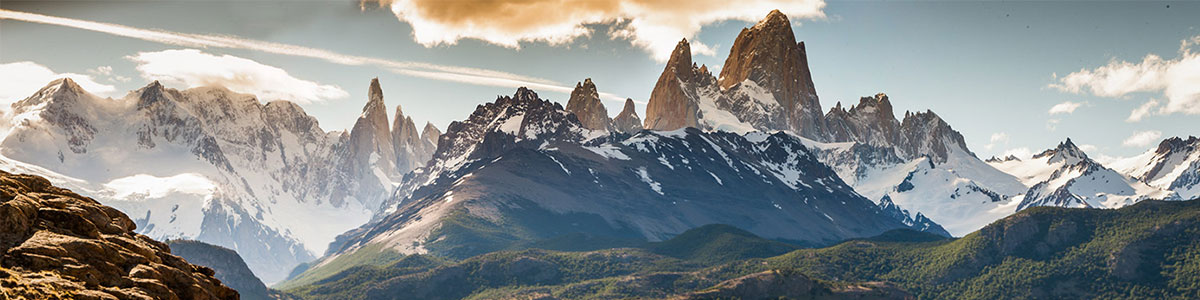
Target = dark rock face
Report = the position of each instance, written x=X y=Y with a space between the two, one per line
x=769 y=55
x=628 y=121
x=57 y=243
x=227 y=265
x=585 y=104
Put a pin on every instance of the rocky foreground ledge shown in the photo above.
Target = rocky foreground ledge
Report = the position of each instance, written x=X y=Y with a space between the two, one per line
x=59 y=245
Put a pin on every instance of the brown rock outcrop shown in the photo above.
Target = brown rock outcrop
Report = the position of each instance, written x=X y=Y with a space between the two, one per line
x=58 y=244
x=627 y=121
x=585 y=104
x=672 y=103
x=769 y=55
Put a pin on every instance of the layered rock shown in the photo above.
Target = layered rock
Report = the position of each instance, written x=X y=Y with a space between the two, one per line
x=768 y=56
x=58 y=244
x=585 y=104
x=627 y=121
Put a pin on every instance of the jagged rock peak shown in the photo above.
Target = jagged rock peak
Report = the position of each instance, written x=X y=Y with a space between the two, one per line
x=585 y=104
x=996 y=159
x=64 y=88
x=374 y=98
x=66 y=84
x=430 y=130
x=775 y=18
x=150 y=94
x=680 y=62
x=769 y=55
x=1176 y=143
x=1065 y=151
x=627 y=120
x=670 y=107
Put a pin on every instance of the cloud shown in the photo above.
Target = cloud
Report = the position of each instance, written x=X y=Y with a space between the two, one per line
x=653 y=25
x=425 y=70
x=1052 y=124
x=1088 y=147
x=1142 y=138
x=1022 y=153
x=1146 y=109
x=996 y=139
x=1067 y=107
x=101 y=70
x=193 y=68
x=142 y=186
x=21 y=79
x=1175 y=78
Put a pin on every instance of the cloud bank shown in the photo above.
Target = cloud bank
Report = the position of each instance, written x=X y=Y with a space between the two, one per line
x=21 y=79
x=653 y=25
x=1176 y=78
x=193 y=68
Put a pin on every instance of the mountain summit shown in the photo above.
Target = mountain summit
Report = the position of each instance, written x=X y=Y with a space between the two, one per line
x=768 y=55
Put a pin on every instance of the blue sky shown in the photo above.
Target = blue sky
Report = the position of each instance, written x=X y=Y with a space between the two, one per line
x=985 y=67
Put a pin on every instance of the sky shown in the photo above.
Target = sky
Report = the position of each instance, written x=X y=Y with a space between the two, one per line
x=1013 y=77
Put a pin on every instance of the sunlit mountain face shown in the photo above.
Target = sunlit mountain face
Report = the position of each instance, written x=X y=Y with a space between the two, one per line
x=598 y=150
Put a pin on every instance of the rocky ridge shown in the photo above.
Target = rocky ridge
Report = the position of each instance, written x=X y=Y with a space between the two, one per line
x=59 y=245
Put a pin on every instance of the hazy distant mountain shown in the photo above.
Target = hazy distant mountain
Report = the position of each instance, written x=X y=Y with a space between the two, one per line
x=1174 y=165
x=216 y=166
x=227 y=265
x=1066 y=177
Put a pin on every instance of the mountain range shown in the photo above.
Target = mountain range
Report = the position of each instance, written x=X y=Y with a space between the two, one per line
x=217 y=166
x=750 y=148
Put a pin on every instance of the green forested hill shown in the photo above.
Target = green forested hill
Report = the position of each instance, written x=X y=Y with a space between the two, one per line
x=1150 y=250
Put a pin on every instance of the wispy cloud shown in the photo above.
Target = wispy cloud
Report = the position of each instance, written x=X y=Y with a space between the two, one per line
x=21 y=79
x=193 y=68
x=648 y=24
x=1142 y=138
x=998 y=138
x=419 y=69
x=1067 y=107
x=1175 y=78
x=1143 y=111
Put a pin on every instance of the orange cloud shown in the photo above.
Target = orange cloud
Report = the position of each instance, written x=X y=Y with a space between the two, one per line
x=653 y=25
